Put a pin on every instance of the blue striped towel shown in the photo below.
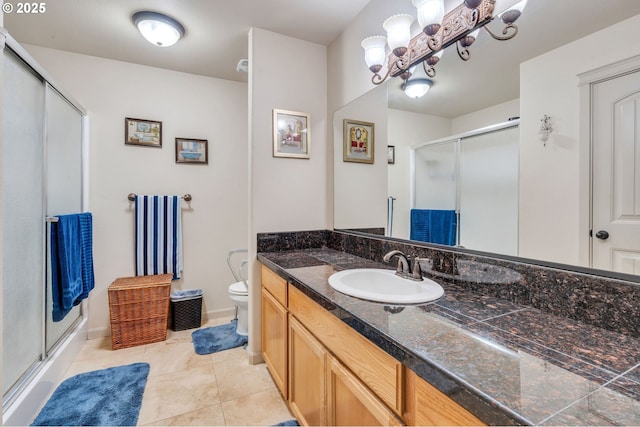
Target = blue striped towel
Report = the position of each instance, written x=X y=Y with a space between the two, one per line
x=71 y=262
x=158 y=235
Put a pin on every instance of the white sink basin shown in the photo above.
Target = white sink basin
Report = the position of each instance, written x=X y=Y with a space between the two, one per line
x=384 y=286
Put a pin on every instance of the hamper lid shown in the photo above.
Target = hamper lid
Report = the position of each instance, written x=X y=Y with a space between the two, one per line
x=141 y=281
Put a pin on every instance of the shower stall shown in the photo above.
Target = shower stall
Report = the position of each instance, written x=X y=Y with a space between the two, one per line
x=476 y=175
x=43 y=153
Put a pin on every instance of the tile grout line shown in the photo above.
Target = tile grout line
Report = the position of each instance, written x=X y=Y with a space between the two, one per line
x=592 y=392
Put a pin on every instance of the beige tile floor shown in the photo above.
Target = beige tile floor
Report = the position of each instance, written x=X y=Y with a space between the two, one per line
x=186 y=389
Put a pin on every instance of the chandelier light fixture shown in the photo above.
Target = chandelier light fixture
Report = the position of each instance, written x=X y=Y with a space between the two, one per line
x=160 y=30
x=460 y=26
x=416 y=88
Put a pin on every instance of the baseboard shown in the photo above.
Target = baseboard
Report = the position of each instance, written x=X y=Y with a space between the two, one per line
x=254 y=358
x=219 y=313
x=99 y=332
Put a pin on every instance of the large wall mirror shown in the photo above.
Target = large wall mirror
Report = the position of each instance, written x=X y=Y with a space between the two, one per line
x=470 y=105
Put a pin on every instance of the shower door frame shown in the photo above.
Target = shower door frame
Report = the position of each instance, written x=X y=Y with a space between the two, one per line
x=457 y=140
x=28 y=394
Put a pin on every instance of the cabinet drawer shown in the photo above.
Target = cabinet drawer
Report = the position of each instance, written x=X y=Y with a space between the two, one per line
x=275 y=284
x=376 y=369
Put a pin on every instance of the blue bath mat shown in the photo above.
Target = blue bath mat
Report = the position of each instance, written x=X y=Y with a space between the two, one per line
x=217 y=338
x=108 y=397
x=287 y=423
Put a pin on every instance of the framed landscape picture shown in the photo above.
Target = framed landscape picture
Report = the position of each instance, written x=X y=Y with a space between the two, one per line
x=194 y=151
x=147 y=133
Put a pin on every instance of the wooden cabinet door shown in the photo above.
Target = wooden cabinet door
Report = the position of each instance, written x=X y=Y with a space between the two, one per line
x=307 y=376
x=380 y=372
x=428 y=406
x=351 y=403
x=274 y=340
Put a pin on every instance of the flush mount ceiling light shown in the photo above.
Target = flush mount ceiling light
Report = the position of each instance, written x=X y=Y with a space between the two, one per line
x=416 y=88
x=158 y=29
x=459 y=26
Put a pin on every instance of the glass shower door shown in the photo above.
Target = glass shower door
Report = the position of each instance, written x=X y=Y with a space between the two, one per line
x=489 y=191
x=63 y=186
x=22 y=220
x=435 y=179
x=436 y=176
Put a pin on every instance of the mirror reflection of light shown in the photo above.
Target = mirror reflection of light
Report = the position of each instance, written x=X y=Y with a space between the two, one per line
x=492 y=344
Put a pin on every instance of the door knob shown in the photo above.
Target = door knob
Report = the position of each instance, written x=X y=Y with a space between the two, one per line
x=602 y=234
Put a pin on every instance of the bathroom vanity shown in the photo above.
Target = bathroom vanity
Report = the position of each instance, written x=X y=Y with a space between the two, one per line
x=338 y=377
x=478 y=355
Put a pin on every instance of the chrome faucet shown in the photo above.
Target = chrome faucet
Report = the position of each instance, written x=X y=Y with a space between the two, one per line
x=403 y=265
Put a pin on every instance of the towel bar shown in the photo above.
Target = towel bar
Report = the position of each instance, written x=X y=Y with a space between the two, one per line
x=50 y=219
x=132 y=197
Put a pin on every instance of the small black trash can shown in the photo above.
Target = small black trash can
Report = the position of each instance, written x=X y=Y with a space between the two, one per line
x=185 y=309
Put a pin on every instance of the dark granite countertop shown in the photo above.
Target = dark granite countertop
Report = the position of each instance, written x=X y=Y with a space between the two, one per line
x=504 y=362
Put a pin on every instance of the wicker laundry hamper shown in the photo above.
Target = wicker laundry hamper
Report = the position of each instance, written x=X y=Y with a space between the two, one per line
x=139 y=307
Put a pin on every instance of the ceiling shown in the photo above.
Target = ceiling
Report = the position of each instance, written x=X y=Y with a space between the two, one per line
x=216 y=38
x=216 y=30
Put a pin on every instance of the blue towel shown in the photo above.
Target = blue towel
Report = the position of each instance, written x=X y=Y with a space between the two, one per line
x=71 y=262
x=158 y=235
x=434 y=226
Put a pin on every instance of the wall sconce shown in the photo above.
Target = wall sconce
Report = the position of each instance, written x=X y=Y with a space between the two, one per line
x=545 y=129
x=160 y=30
x=460 y=26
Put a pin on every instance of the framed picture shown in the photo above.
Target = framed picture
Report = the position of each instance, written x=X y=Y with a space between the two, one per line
x=391 y=154
x=358 y=141
x=194 y=151
x=142 y=132
x=291 y=134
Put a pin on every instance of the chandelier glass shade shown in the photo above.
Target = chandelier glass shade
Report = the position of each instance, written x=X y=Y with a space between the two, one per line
x=459 y=26
x=416 y=88
x=430 y=15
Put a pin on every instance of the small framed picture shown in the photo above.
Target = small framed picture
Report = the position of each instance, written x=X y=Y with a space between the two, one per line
x=147 y=133
x=358 y=141
x=193 y=151
x=291 y=134
x=391 y=154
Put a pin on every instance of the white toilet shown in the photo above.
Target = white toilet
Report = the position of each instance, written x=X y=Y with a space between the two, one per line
x=239 y=292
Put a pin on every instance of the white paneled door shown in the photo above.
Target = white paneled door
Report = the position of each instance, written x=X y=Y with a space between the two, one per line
x=616 y=174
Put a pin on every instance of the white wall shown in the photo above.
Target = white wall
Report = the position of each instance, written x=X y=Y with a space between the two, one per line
x=407 y=129
x=360 y=192
x=486 y=117
x=189 y=106
x=347 y=74
x=286 y=194
x=549 y=175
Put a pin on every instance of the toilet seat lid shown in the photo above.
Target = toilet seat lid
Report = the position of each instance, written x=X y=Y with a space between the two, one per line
x=238 y=288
